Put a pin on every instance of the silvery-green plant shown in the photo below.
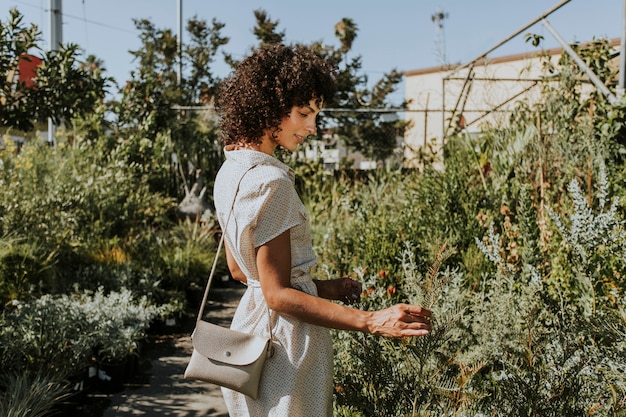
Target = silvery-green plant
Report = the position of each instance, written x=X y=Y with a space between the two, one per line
x=59 y=334
x=546 y=358
x=47 y=334
x=117 y=321
x=594 y=236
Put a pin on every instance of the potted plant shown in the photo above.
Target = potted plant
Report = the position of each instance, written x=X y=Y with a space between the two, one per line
x=116 y=356
x=46 y=335
x=118 y=321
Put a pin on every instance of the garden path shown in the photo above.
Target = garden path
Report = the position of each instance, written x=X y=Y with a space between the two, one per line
x=159 y=388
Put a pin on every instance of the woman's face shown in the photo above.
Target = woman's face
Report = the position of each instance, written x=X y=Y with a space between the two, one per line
x=294 y=128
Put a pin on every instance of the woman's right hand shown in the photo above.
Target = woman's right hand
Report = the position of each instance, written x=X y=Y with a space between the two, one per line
x=401 y=320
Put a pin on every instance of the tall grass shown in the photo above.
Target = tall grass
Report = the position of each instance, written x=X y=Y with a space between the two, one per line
x=29 y=395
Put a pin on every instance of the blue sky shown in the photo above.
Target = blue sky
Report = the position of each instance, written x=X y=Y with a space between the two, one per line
x=393 y=34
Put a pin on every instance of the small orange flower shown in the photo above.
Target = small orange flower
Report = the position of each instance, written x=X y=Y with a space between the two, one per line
x=382 y=273
x=392 y=290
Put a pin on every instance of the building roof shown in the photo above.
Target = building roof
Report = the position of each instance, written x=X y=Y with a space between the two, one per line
x=498 y=60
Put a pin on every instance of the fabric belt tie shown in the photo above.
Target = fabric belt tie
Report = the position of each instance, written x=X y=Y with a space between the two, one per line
x=295 y=281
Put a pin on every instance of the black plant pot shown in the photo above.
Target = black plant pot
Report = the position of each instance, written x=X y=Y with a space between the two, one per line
x=113 y=375
x=78 y=384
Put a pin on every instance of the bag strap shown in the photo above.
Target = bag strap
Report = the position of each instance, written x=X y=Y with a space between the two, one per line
x=219 y=247
x=208 y=285
x=217 y=254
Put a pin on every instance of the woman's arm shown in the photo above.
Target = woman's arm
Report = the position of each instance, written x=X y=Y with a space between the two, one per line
x=274 y=265
x=339 y=289
x=233 y=267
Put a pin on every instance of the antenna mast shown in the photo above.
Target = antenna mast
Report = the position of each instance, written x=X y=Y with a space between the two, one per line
x=440 y=40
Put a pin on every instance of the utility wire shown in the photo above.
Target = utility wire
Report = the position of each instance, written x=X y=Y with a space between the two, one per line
x=104 y=25
x=92 y=22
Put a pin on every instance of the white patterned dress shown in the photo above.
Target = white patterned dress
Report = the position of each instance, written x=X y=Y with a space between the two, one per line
x=297 y=380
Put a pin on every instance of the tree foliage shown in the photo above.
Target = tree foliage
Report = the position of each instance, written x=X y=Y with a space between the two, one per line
x=157 y=120
x=265 y=29
x=63 y=89
x=16 y=104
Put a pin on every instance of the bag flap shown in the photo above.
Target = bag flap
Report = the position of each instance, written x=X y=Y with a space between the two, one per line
x=229 y=346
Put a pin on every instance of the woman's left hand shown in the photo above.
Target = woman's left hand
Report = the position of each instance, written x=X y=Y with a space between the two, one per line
x=340 y=289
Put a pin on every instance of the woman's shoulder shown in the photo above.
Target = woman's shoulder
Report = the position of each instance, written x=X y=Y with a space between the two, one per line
x=270 y=173
x=262 y=179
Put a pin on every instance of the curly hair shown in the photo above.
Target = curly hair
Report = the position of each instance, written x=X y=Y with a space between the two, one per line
x=265 y=86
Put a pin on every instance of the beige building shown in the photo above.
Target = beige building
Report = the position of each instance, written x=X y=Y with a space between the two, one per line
x=442 y=99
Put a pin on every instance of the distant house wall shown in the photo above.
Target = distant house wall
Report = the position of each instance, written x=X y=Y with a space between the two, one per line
x=499 y=83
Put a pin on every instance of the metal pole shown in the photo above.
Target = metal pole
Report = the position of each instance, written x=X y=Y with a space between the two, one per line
x=426 y=120
x=56 y=39
x=592 y=77
x=56 y=24
x=443 y=109
x=544 y=15
x=467 y=83
x=180 y=41
x=622 y=56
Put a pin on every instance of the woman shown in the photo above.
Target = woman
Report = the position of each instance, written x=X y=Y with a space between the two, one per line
x=272 y=100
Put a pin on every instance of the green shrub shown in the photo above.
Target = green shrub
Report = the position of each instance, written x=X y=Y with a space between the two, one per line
x=44 y=335
x=117 y=322
x=516 y=344
x=412 y=376
x=25 y=270
x=187 y=251
x=60 y=335
x=553 y=355
x=70 y=209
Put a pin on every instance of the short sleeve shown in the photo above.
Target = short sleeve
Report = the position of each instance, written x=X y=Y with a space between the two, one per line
x=279 y=209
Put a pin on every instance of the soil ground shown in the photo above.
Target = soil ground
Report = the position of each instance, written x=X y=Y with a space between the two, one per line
x=158 y=388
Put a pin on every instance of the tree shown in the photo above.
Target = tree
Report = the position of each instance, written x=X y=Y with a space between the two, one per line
x=265 y=29
x=157 y=121
x=346 y=31
x=149 y=96
x=145 y=108
x=63 y=89
x=66 y=88
x=16 y=107
x=374 y=133
x=199 y=86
